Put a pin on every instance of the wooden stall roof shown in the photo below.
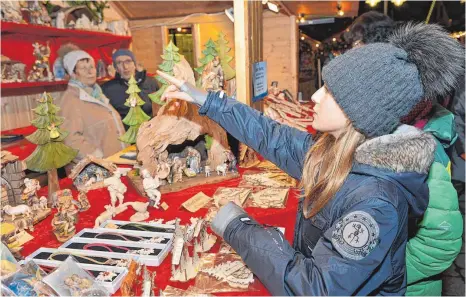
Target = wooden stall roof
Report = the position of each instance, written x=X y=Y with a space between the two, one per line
x=139 y=10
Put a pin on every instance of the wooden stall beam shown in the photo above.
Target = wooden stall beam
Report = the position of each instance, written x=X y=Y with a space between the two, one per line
x=248 y=47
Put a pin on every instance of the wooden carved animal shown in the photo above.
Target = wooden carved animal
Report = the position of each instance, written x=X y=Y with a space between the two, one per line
x=109 y=213
x=207 y=170
x=222 y=169
x=43 y=202
x=17 y=210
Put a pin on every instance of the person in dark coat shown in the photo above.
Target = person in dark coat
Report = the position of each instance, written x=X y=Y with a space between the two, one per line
x=115 y=89
x=361 y=176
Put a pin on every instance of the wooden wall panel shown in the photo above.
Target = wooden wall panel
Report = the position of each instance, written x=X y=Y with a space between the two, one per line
x=280 y=50
x=147 y=46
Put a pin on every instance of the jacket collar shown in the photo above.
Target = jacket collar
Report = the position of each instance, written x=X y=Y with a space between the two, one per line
x=406 y=150
x=84 y=96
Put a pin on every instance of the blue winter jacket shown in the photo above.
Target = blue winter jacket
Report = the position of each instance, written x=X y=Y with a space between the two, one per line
x=356 y=244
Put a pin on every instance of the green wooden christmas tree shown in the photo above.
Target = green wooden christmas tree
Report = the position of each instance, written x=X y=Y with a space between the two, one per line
x=170 y=58
x=222 y=50
x=136 y=116
x=209 y=54
x=51 y=153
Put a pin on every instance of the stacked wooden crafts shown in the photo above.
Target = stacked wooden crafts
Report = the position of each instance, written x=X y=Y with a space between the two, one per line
x=106 y=251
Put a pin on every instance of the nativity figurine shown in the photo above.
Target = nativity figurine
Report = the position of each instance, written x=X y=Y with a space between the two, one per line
x=30 y=190
x=176 y=172
x=11 y=12
x=110 y=212
x=141 y=211
x=41 y=68
x=60 y=20
x=63 y=223
x=14 y=211
x=83 y=203
x=231 y=160
x=116 y=188
x=193 y=160
x=151 y=185
x=207 y=170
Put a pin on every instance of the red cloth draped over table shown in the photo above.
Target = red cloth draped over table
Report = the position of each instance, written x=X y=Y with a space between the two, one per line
x=43 y=236
x=22 y=148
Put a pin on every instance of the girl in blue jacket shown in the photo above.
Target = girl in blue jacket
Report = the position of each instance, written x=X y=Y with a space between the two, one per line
x=361 y=176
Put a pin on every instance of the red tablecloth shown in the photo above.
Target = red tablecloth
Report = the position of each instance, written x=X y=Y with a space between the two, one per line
x=43 y=236
x=22 y=148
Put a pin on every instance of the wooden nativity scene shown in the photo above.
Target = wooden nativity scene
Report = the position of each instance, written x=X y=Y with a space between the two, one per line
x=90 y=173
x=179 y=147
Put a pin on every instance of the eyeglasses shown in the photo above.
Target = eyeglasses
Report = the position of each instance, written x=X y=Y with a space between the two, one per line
x=125 y=62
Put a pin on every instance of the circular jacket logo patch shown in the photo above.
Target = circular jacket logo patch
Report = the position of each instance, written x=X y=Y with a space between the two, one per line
x=356 y=235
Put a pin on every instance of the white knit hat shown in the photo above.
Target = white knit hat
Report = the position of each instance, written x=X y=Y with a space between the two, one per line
x=71 y=58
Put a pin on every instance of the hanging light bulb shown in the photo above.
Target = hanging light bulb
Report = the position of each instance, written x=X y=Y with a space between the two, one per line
x=317 y=45
x=178 y=29
x=372 y=3
x=273 y=7
x=334 y=39
x=302 y=37
x=398 y=2
x=301 y=18
x=340 y=11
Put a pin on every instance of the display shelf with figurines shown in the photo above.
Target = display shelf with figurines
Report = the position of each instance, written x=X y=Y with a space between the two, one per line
x=17 y=46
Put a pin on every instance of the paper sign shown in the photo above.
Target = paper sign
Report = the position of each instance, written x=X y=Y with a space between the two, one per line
x=164 y=206
x=259 y=79
x=196 y=202
x=231 y=194
x=270 y=198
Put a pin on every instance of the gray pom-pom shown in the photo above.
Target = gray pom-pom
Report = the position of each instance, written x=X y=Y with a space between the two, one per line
x=438 y=57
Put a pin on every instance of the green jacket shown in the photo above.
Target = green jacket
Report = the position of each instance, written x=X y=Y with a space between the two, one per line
x=438 y=240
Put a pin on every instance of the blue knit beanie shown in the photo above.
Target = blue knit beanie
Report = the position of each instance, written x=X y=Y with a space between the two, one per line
x=122 y=52
x=377 y=84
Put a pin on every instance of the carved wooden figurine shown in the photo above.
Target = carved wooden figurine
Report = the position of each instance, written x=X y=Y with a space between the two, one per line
x=116 y=188
x=83 y=203
x=30 y=192
x=64 y=221
x=151 y=185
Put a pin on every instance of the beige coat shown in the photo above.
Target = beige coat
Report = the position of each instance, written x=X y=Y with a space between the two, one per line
x=92 y=125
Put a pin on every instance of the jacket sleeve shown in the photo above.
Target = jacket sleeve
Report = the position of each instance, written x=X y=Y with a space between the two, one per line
x=75 y=126
x=338 y=266
x=458 y=111
x=439 y=237
x=284 y=146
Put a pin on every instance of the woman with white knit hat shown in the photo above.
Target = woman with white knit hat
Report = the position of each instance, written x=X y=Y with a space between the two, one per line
x=94 y=126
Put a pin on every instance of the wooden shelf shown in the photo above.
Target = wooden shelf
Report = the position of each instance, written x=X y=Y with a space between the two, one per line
x=52 y=32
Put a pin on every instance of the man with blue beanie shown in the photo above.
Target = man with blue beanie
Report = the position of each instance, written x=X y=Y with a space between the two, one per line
x=115 y=89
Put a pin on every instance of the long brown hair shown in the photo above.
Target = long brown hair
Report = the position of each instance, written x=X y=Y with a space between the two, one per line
x=326 y=167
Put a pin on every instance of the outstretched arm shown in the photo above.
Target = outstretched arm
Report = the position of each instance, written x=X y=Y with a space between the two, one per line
x=282 y=145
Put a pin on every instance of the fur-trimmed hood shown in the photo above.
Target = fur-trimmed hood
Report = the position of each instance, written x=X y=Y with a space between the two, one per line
x=404 y=158
x=406 y=150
